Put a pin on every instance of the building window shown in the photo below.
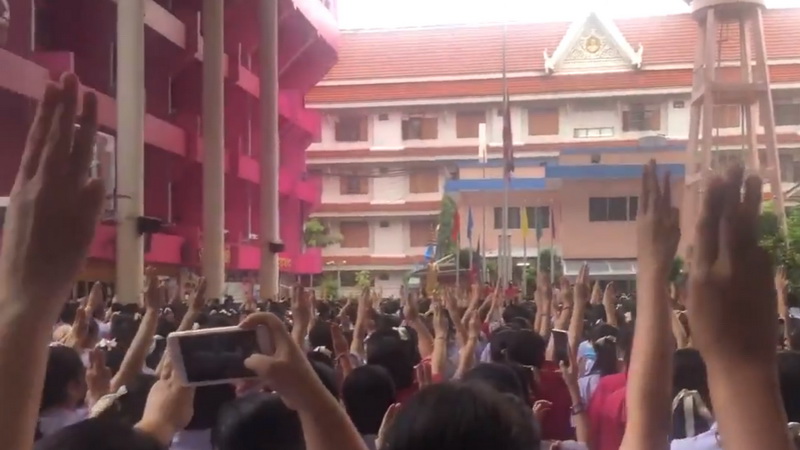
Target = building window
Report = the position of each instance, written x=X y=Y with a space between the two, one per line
x=351 y=129
x=727 y=116
x=543 y=122
x=787 y=114
x=423 y=181
x=613 y=209
x=384 y=224
x=353 y=185
x=538 y=217
x=354 y=234
x=347 y=277
x=468 y=123
x=383 y=276
x=421 y=232
x=420 y=128
x=588 y=133
x=640 y=117
x=513 y=218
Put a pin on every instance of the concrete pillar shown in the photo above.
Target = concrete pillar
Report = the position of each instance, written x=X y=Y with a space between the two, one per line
x=130 y=148
x=270 y=146
x=213 y=147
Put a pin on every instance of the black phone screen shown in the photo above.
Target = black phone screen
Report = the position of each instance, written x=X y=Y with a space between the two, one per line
x=561 y=346
x=220 y=356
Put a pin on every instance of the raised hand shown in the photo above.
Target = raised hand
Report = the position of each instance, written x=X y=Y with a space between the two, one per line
x=732 y=297
x=98 y=377
x=197 y=298
x=658 y=225
x=287 y=370
x=54 y=206
x=169 y=407
x=732 y=312
x=582 y=286
x=154 y=291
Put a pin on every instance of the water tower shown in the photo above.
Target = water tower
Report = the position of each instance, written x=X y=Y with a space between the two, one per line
x=726 y=79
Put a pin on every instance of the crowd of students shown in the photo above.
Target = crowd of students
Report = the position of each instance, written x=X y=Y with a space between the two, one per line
x=699 y=366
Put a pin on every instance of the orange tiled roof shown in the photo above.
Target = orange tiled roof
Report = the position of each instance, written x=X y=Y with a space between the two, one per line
x=643 y=79
x=475 y=50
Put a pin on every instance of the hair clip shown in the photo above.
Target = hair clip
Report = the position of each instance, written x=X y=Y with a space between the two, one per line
x=107 y=344
x=605 y=339
x=403 y=332
x=324 y=351
x=106 y=401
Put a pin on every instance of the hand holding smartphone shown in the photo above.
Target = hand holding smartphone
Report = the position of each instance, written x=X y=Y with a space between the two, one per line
x=216 y=355
x=561 y=346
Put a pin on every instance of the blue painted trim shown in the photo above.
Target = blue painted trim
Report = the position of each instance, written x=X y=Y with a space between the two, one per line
x=601 y=171
x=498 y=162
x=623 y=149
x=587 y=172
x=495 y=184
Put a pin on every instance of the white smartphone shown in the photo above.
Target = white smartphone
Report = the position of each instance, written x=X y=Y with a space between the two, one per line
x=216 y=355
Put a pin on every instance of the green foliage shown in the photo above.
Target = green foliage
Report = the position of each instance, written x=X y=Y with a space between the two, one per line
x=444 y=240
x=785 y=250
x=677 y=268
x=316 y=234
x=544 y=256
x=491 y=268
x=364 y=279
x=329 y=286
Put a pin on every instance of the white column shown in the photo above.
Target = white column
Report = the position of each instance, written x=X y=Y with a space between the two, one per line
x=213 y=147
x=130 y=148
x=270 y=145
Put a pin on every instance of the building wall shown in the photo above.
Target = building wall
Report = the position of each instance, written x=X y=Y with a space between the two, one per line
x=386 y=135
x=80 y=36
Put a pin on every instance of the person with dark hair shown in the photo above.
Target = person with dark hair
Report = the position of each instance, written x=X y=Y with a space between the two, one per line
x=526 y=348
x=127 y=408
x=63 y=392
x=605 y=359
x=606 y=406
x=386 y=348
x=208 y=402
x=462 y=416
x=500 y=377
x=367 y=393
x=319 y=336
x=258 y=421
x=99 y=434
x=691 y=412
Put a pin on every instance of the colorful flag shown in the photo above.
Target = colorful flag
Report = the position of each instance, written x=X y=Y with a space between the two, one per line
x=539 y=225
x=470 y=225
x=523 y=226
x=508 y=140
x=456 y=227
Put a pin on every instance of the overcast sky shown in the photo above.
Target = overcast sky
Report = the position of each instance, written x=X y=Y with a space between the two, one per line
x=413 y=13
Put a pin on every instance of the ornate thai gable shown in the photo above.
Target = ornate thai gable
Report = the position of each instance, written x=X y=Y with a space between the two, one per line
x=593 y=44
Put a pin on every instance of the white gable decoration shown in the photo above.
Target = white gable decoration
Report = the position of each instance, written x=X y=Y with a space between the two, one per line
x=593 y=43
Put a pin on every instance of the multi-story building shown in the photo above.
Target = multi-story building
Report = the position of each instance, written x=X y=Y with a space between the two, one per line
x=47 y=38
x=591 y=101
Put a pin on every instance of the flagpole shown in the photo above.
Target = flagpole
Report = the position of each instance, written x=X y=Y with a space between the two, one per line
x=552 y=247
x=538 y=243
x=505 y=278
x=458 y=259
x=525 y=259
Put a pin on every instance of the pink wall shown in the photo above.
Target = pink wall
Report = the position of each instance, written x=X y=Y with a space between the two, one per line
x=78 y=35
x=576 y=237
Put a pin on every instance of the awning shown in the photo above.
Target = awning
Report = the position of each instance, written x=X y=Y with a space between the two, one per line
x=606 y=269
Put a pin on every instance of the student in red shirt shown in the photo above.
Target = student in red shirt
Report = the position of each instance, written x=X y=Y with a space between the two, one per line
x=606 y=409
x=526 y=348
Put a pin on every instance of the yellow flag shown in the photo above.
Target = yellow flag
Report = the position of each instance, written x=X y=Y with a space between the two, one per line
x=524 y=222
